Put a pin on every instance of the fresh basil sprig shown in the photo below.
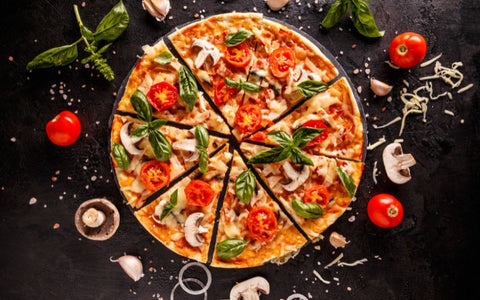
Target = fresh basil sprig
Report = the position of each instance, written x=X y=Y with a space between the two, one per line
x=121 y=156
x=289 y=147
x=202 y=137
x=170 y=206
x=230 y=248
x=109 y=29
x=347 y=181
x=247 y=86
x=310 y=210
x=188 y=87
x=237 y=38
x=361 y=14
x=310 y=88
x=245 y=186
x=164 y=58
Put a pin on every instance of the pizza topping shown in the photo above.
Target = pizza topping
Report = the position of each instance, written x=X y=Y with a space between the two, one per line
x=157 y=8
x=188 y=87
x=317 y=194
x=347 y=181
x=162 y=96
x=248 y=118
x=207 y=50
x=322 y=136
x=380 y=88
x=239 y=55
x=238 y=37
x=170 y=206
x=249 y=289
x=199 y=193
x=276 y=4
x=202 y=137
x=397 y=163
x=128 y=141
x=247 y=86
x=132 y=265
x=223 y=93
x=164 y=58
x=280 y=61
x=230 y=248
x=189 y=146
x=262 y=223
x=193 y=229
x=297 y=178
x=309 y=210
x=310 y=88
x=120 y=155
x=245 y=185
x=155 y=175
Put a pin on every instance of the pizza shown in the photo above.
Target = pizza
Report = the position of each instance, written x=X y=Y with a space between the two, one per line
x=236 y=142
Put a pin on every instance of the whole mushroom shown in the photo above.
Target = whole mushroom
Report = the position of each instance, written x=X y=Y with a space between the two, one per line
x=248 y=289
x=397 y=163
x=193 y=229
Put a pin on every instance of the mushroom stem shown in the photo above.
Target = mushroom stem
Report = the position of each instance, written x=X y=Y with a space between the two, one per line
x=93 y=218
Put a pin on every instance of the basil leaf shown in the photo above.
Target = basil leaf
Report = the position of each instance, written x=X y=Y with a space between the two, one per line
x=238 y=37
x=310 y=210
x=170 y=206
x=85 y=32
x=363 y=19
x=164 y=58
x=310 y=88
x=280 y=137
x=250 y=87
x=160 y=145
x=113 y=24
x=299 y=158
x=335 y=13
x=202 y=159
x=59 y=56
x=141 y=106
x=303 y=135
x=120 y=155
x=155 y=124
x=230 y=248
x=347 y=181
x=245 y=186
x=232 y=83
x=270 y=156
x=140 y=131
x=202 y=136
x=188 y=87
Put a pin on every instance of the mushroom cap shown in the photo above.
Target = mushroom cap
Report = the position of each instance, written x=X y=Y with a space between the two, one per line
x=107 y=229
x=249 y=289
x=298 y=178
x=193 y=229
x=397 y=163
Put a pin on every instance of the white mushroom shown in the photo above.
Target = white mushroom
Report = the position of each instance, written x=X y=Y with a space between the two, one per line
x=128 y=141
x=189 y=146
x=207 y=49
x=380 y=88
x=193 y=229
x=276 y=4
x=157 y=8
x=93 y=218
x=397 y=164
x=248 y=289
x=298 y=178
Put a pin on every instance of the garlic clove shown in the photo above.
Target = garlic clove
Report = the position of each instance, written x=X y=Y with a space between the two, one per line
x=380 y=88
x=131 y=265
x=276 y=4
x=157 y=8
x=337 y=240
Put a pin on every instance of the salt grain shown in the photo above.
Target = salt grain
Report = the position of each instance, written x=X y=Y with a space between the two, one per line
x=32 y=201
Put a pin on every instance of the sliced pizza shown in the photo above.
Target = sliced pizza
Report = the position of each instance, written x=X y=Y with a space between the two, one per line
x=252 y=228
x=335 y=111
x=315 y=195
x=183 y=217
x=163 y=80
x=140 y=168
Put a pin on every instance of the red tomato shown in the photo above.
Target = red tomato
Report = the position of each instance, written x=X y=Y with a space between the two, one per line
x=162 y=96
x=155 y=175
x=199 y=193
x=248 y=118
x=262 y=223
x=407 y=49
x=64 y=129
x=239 y=55
x=280 y=61
x=385 y=211
x=317 y=194
x=322 y=136
x=258 y=137
x=223 y=93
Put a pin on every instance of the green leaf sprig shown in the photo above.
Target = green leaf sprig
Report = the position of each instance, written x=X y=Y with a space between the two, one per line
x=188 y=87
x=245 y=185
x=202 y=137
x=361 y=14
x=164 y=58
x=230 y=248
x=247 y=86
x=347 y=181
x=170 y=206
x=109 y=29
x=121 y=156
x=237 y=38
x=160 y=145
x=309 y=211
x=310 y=88
x=290 y=147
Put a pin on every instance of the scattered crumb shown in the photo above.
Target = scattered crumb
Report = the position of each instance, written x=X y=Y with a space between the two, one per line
x=13 y=140
x=56 y=226
x=32 y=201
x=10 y=58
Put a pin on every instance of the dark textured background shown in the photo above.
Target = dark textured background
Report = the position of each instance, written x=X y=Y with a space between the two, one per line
x=431 y=255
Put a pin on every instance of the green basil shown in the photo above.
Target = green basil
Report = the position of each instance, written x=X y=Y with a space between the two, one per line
x=164 y=58
x=299 y=158
x=141 y=131
x=230 y=248
x=188 y=87
x=202 y=159
x=335 y=13
x=270 y=156
x=170 y=206
x=160 y=145
x=141 y=106
x=113 y=24
x=237 y=38
x=310 y=88
x=55 y=57
x=363 y=19
x=303 y=135
x=347 y=181
x=121 y=156
x=95 y=55
x=247 y=86
x=155 y=124
x=232 y=83
x=245 y=186
x=281 y=137
x=307 y=210
x=202 y=136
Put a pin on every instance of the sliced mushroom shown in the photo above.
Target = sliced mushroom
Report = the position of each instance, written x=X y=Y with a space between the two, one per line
x=157 y=8
x=248 y=289
x=397 y=163
x=193 y=229
x=189 y=146
x=380 y=88
x=276 y=4
x=297 y=178
x=128 y=141
x=207 y=49
x=203 y=76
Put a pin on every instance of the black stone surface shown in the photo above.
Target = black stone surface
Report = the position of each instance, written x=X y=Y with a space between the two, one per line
x=431 y=255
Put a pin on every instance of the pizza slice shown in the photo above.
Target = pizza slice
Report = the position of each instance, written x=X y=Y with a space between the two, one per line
x=315 y=196
x=252 y=228
x=183 y=217
x=334 y=110
x=142 y=169
x=157 y=75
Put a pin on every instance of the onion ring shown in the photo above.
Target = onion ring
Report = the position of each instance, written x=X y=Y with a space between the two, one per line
x=203 y=289
x=188 y=279
x=297 y=296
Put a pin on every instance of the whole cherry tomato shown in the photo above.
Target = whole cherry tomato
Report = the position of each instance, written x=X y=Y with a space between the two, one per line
x=407 y=49
x=385 y=211
x=64 y=129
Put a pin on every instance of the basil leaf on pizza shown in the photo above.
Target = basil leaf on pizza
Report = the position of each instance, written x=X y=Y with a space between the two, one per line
x=281 y=137
x=245 y=185
x=141 y=106
x=299 y=158
x=155 y=124
x=347 y=181
x=247 y=86
x=270 y=156
x=164 y=58
x=238 y=37
x=303 y=135
x=309 y=210
x=141 y=131
x=188 y=87
x=310 y=88
x=121 y=156
x=201 y=135
x=160 y=145
x=170 y=206
x=230 y=248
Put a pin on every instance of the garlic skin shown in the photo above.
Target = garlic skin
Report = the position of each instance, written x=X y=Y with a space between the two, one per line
x=276 y=4
x=131 y=265
x=380 y=88
x=157 y=8
x=337 y=240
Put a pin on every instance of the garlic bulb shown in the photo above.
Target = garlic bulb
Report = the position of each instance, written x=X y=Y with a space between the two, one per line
x=337 y=240
x=276 y=4
x=131 y=265
x=380 y=88
x=157 y=8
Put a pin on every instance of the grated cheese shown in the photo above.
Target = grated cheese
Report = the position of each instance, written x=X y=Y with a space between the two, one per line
x=431 y=61
x=465 y=88
x=449 y=112
x=353 y=264
x=406 y=83
x=375 y=172
x=334 y=261
x=448 y=75
x=320 y=277
x=388 y=124
x=378 y=143
x=398 y=141
x=391 y=65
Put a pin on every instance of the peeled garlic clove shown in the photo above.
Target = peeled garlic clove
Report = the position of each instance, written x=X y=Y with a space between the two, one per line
x=380 y=88
x=131 y=265
x=157 y=8
x=337 y=240
x=276 y=4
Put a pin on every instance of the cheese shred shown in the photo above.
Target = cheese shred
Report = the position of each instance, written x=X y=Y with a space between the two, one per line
x=353 y=264
x=431 y=61
x=375 y=172
x=320 y=277
x=448 y=112
x=465 y=88
x=334 y=261
x=378 y=143
x=451 y=76
x=388 y=124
